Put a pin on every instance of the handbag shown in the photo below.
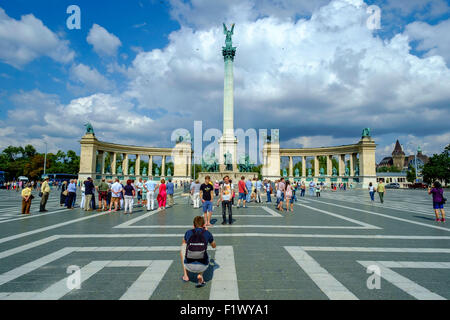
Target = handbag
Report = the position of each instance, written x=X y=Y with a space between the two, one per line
x=66 y=193
x=444 y=200
x=40 y=194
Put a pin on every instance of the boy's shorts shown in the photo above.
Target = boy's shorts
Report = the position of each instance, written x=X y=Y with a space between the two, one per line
x=437 y=205
x=195 y=267
x=207 y=206
x=242 y=196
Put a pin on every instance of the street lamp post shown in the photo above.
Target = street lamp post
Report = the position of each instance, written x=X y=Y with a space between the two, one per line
x=45 y=157
x=415 y=159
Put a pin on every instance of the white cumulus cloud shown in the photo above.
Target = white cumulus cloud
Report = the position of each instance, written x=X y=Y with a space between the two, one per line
x=27 y=39
x=104 y=43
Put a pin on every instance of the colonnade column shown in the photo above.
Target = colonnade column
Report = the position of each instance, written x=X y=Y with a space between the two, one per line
x=163 y=166
x=303 y=166
x=125 y=164
x=316 y=166
x=150 y=165
x=189 y=162
x=352 y=165
x=329 y=165
x=291 y=167
x=137 y=167
x=342 y=165
x=114 y=163
x=102 y=168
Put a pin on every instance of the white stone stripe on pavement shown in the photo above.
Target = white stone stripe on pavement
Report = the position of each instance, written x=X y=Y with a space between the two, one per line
x=60 y=288
x=415 y=264
x=148 y=281
x=224 y=285
x=363 y=224
x=377 y=249
x=37 y=243
x=24 y=234
x=28 y=267
x=272 y=212
x=218 y=226
x=34 y=215
x=134 y=220
x=248 y=216
x=331 y=287
x=387 y=216
x=405 y=284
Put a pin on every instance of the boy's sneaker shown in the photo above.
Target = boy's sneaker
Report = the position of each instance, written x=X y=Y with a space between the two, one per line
x=442 y=220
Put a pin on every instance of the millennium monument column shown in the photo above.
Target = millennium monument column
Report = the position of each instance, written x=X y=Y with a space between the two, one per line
x=228 y=142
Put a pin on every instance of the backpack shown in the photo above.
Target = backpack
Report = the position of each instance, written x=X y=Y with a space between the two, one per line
x=196 y=247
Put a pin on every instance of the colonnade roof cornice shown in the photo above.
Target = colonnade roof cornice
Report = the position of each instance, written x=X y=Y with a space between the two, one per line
x=322 y=151
x=119 y=148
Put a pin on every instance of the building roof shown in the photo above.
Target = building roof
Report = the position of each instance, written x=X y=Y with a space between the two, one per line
x=391 y=174
x=398 y=150
x=387 y=161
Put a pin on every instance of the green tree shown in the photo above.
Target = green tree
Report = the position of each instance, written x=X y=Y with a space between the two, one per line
x=29 y=151
x=438 y=167
x=411 y=174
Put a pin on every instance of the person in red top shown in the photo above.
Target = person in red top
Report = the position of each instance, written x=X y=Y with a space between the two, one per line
x=162 y=195
x=242 y=192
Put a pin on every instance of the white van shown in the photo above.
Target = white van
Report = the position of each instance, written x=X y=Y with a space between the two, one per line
x=23 y=179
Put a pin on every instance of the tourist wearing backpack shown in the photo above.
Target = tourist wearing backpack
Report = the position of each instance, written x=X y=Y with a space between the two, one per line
x=194 y=256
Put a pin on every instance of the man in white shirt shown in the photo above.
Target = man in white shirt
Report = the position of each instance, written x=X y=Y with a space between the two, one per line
x=195 y=191
x=139 y=185
x=150 y=186
x=116 y=190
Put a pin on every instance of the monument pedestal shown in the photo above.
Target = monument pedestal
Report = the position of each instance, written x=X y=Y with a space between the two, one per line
x=228 y=145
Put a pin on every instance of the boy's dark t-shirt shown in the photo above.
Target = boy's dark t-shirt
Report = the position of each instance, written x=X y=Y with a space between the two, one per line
x=206 y=189
x=128 y=190
x=208 y=237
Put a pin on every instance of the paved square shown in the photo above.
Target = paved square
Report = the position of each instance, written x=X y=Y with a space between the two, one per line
x=323 y=250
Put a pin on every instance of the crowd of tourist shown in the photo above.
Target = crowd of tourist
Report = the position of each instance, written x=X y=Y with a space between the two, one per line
x=116 y=196
x=112 y=195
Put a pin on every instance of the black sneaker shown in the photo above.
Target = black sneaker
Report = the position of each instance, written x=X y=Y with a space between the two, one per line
x=224 y=222
x=231 y=222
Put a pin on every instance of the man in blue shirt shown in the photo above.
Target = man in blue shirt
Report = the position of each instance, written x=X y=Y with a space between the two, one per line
x=150 y=186
x=189 y=249
x=170 y=190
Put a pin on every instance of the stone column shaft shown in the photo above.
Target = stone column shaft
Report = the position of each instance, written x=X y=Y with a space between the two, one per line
x=329 y=166
x=125 y=164
x=163 y=166
x=189 y=162
x=303 y=166
x=291 y=167
x=114 y=163
x=352 y=164
x=228 y=100
x=102 y=168
x=342 y=165
x=137 y=167
x=150 y=165
x=316 y=166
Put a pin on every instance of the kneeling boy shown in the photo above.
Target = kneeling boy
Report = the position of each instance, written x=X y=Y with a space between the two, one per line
x=194 y=256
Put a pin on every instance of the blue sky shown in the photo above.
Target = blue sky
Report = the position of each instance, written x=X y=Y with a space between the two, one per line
x=140 y=69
